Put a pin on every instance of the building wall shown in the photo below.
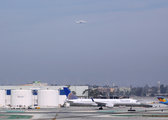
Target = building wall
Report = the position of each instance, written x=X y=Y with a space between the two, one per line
x=78 y=89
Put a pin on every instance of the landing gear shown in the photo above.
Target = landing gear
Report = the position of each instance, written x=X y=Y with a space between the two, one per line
x=100 y=108
x=131 y=109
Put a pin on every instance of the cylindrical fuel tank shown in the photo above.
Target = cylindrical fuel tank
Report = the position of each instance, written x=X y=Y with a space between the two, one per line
x=21 y=98
x=2 y=98
x=48 y=98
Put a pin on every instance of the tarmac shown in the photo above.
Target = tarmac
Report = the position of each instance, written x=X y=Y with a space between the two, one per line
x=158 y=112
x=89 y=113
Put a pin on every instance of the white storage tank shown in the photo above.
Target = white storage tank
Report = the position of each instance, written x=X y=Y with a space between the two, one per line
x=2 y=98
x=21 y=98
x=48 y=98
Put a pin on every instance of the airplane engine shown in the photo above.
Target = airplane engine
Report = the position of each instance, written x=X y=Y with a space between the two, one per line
x=109 y=105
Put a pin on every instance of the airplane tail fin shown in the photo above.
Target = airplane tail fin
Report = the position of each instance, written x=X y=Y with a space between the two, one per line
x=162 y=99
x=69 y=94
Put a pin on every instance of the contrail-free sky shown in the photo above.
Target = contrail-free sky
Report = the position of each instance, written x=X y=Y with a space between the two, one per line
x=124 y=42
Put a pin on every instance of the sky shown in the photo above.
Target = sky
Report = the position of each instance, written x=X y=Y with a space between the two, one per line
x=123 y=42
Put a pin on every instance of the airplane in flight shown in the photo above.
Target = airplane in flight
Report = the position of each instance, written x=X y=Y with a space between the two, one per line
x=81 y=21
x=109 y=103
x=162 y=100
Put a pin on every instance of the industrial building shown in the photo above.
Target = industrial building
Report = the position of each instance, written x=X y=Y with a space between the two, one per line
x=36 y=94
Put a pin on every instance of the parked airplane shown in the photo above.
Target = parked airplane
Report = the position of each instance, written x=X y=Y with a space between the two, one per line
x=162 y=100
x=110 y=103
x=81 y=21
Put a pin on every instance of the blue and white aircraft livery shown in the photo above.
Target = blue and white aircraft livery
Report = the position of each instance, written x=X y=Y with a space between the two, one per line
x=110 y=103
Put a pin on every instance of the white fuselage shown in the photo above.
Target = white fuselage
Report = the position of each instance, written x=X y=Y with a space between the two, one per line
x=105 y=102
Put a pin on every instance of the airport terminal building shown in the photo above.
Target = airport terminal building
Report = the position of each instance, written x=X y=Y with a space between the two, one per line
x=37 y=94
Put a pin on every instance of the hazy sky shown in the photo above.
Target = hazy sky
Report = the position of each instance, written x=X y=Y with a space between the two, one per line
x=124 y=42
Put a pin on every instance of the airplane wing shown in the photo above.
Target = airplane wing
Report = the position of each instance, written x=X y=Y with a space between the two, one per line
x=107 y=104
x=100 y=103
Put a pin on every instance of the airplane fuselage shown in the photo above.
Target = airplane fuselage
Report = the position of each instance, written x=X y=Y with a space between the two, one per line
x=89 y=102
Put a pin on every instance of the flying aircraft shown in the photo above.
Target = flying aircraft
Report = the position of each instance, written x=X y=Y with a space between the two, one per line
x=81 y=21
x=109 y=103
x=162 y=100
